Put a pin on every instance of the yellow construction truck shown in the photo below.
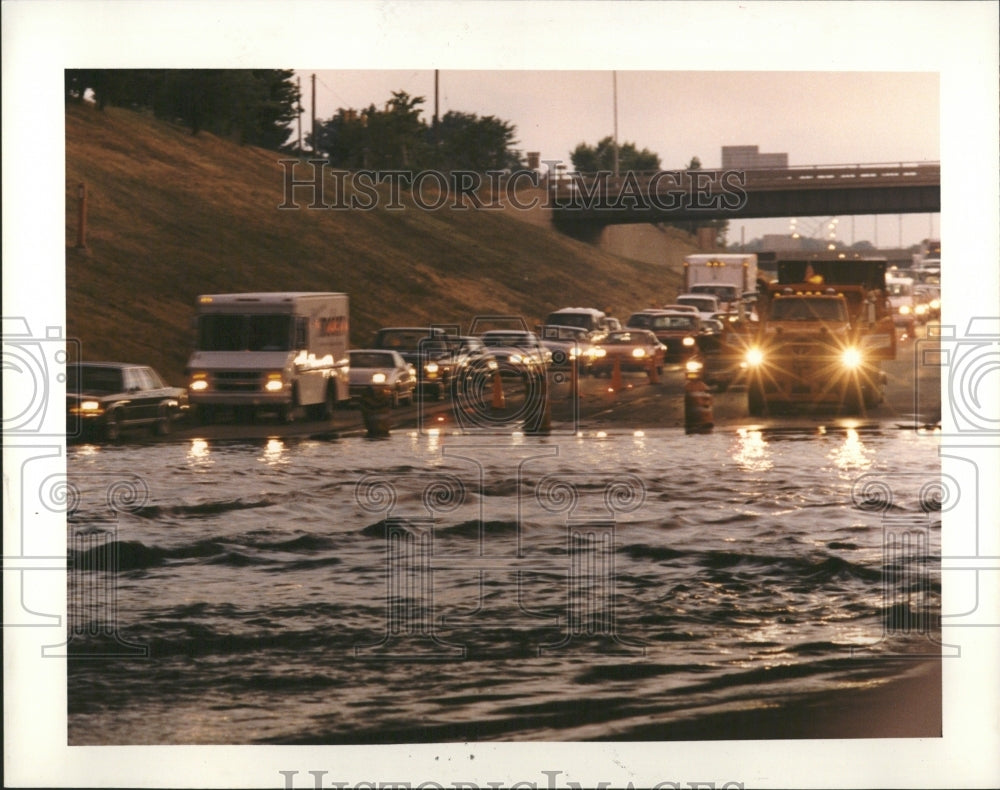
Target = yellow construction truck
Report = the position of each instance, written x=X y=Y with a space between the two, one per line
x=825 y=327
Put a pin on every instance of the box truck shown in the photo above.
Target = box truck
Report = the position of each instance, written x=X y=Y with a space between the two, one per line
x=284 y=352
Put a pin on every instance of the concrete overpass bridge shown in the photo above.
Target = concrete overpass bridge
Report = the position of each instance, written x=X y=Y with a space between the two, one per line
x=590 y=201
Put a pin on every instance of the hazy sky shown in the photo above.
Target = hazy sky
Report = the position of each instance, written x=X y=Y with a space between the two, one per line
x=815 y=117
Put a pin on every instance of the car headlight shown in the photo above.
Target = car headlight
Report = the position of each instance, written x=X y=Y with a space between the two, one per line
x=688 y=341
x=516 y=359
x=638 y=352
x=904 y=309
x=851 y=358
x=755 y=357
x=431 y=367
x=378 y=378
x=275 y=382
x=935 y=304
x=921 y=309
x=599 y=352
x=693 y=366
x=90 y=405
x=199 y=382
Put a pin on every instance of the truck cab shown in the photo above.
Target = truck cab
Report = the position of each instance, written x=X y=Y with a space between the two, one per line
x=816 y=346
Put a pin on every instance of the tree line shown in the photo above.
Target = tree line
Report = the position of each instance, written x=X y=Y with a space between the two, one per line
x=259 y=106
x=252 y=106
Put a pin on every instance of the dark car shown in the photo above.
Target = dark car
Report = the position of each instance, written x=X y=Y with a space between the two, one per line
x=517 y=352
x=105 y=398
x=472 y=362
x=677 y=330
x=426 y=349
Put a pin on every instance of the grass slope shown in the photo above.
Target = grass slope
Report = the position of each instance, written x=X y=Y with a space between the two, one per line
x=171 y=215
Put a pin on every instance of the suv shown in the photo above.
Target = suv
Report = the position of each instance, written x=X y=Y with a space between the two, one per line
x=426 y=349
x=594 y=321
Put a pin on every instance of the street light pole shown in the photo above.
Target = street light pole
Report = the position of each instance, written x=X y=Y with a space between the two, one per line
x=614 y=90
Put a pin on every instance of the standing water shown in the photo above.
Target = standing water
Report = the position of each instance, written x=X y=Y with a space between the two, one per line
x=428 y=588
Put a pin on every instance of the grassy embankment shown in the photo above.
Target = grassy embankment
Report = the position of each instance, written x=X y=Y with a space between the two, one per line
x=172 y=215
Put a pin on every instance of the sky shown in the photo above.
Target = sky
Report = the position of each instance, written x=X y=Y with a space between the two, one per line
x=826 y=82
x=817 y=118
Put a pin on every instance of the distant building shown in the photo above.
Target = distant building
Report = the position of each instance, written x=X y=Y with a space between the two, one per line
x=748 y=157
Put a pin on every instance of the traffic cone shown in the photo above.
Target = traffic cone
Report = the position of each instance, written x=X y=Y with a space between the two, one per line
x=616 y=376
x=499 y=400
x=654 y=377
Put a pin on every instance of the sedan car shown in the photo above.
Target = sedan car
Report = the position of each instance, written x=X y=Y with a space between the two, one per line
x=471 y=361
x=677 y=330
x=384 y=371
x=631 y=349
x=427 y=350
x=105 y=398
x=569 y=344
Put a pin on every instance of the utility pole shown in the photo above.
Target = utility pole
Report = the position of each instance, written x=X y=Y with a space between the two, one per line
x=298 y=84
x=437 y=131
x=314 y=113
x=614 y=90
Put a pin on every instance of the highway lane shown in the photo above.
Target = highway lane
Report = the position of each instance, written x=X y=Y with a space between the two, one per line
x=913 y=400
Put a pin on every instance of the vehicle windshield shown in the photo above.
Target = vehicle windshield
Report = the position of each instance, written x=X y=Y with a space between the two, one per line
x=581 y=320
x=704 y=305
x=401 y=339
x=508 y=339
x=726 y=293
x=677 y=322
x=98 y=380
x=371 y=359
x=625 y=338
x=225 y=332
x=563 y=333
x=800 y=309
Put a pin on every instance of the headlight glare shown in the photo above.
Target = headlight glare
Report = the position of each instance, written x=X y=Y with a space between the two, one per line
x=851 y=358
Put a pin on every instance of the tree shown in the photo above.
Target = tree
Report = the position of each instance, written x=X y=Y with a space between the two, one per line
x=396 y=137
x=254 y=106
x=591 y=159
x=468 y=142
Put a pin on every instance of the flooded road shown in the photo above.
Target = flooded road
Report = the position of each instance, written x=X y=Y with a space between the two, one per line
x=604 y=582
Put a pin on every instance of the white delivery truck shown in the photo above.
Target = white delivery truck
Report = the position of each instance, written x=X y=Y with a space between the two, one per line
x=278 y=351
x=727 y=277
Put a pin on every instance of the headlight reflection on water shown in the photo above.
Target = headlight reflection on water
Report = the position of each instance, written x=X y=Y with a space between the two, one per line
x=852 y=455
x=198 y=453
x=274 y=453
x=751 y=452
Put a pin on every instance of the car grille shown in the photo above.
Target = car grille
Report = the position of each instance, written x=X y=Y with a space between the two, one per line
x=237 y=381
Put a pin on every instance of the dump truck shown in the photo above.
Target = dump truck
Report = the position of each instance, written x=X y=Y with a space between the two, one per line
x=825 y=327
x=278 y=351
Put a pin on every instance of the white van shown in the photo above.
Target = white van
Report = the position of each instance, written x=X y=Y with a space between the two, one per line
x=594 y=321
x=282 y=351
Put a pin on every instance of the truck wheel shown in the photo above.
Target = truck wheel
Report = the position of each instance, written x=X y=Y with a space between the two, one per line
x=756 y=402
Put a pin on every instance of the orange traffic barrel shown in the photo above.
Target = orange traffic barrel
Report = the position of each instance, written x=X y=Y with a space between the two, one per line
x=698 y=417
